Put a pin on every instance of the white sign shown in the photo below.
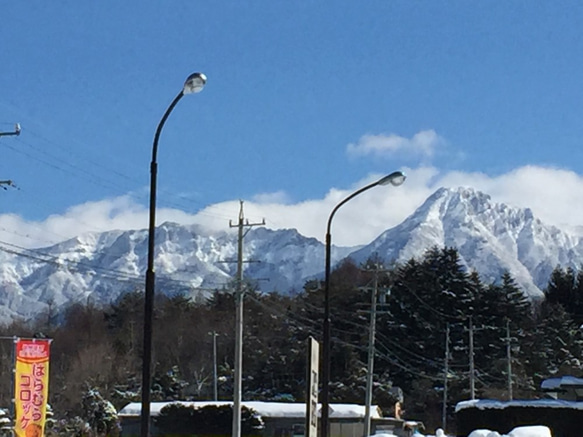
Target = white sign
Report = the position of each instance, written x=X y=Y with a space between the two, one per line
x=312 y=389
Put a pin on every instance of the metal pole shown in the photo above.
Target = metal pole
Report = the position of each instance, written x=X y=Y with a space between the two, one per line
x=15 y=132
x=13 y=384
x=215 y=376
x=325 y=414
x=238 y=331
x=445 y=374
x=371 y=352
x=236 y=430
x=150 y=281
x=472 y=371
x=509 y=360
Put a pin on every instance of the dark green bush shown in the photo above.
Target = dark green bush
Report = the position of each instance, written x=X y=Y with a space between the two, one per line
x=181 y=420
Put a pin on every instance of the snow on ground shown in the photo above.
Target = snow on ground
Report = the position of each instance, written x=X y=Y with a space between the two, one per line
x=522 y=431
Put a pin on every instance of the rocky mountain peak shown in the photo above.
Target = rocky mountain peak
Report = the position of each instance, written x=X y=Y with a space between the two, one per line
x=491 y=238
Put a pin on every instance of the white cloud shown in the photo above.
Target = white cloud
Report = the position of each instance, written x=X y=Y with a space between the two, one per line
x=275 y=197
x=555 y=196
x=118 y=213
x=422 y=144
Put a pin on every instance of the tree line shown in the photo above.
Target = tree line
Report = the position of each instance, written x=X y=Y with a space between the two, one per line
x=98 y=349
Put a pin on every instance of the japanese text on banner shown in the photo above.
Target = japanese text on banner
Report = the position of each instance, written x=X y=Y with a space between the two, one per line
x=31 y=387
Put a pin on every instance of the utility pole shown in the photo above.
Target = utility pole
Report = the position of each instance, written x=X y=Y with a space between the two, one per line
x=239 y=321
x=472 y=372
x=371 y=350
x=7 y=183
x=215 y=376
x=371 y=346
x=16 y=132
x=445 y=375
x=509 y=360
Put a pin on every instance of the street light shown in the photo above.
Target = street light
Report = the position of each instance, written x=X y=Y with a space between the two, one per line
x=193 y=84
x=396 y=178
x=16 y=131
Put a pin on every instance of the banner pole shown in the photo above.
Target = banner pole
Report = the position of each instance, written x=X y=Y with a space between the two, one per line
x=13 y=385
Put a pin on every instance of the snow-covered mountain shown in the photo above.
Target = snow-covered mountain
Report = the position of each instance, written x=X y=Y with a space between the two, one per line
x=490 y=237
x=99 y=267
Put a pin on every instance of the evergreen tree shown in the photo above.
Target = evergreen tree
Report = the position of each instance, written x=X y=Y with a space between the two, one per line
x=275 y=346
x=565 y=287
x=554 y=346
x=498 y=305
x=101 y=347
x=561 y=286
x=177 y=419
x=100 y=414
x=515 y=304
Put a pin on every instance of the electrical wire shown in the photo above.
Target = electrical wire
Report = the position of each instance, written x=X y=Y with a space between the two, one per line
x=98 y=271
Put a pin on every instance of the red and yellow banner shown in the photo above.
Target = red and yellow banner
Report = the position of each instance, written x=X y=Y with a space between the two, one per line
x=31 y=387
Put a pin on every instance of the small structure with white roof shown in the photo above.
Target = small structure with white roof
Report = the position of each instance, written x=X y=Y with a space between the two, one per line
x=280 y=419
x=567 y=388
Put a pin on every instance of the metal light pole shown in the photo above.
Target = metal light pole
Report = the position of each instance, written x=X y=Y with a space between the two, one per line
x=193 y=84
x=396 y=178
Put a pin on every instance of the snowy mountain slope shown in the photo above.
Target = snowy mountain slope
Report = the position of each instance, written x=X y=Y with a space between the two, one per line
x=490 y=237
x=99 y=267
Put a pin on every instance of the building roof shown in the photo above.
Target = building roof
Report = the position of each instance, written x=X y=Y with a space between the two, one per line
x=552 y=384
x=485 y=404
x=264 y=409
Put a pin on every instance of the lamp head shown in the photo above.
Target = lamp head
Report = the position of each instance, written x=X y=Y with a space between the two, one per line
x=194 y=83
x=395 y=179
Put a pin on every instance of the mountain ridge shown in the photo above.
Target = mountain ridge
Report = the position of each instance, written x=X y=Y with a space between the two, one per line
x=490 y=237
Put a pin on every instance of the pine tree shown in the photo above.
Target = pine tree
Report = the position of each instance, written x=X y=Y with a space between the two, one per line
x=561 y=287
x=100 y=414
x=555 y=344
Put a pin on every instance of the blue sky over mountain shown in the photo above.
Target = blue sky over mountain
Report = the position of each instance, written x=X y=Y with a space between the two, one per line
x=305 y=102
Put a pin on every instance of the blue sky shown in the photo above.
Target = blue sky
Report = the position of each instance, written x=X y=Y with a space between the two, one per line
x=305 y=102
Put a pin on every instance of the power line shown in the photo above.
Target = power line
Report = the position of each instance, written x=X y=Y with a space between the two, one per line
x=102 y=272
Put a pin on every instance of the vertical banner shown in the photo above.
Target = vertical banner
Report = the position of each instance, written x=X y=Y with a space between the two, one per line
x=312 y=389
x=31 y=387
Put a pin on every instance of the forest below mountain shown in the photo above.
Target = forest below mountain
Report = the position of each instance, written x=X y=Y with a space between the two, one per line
x=98 y=348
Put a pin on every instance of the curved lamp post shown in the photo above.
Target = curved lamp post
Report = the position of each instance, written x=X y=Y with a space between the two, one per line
x=396 y=178
x=15 y=132
x=193 y=84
